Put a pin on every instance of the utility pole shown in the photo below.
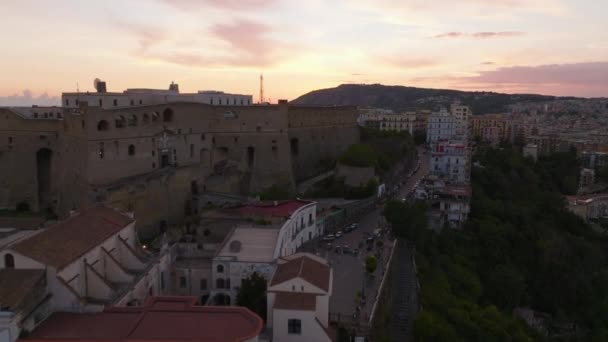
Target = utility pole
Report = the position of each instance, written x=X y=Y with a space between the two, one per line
x=261 y=88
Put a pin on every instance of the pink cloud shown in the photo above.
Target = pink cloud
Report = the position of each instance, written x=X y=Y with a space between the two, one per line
x=575 y=79
x=223 y=4
x=480 y=35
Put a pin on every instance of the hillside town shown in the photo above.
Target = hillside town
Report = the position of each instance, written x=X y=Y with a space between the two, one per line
x=100 y=220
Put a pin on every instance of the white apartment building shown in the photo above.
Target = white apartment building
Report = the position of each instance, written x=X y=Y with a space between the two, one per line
x=144 y=97
x=441 y=126
x=448 y=160
x=82 y=264
x=249 y=249
x=298 y=299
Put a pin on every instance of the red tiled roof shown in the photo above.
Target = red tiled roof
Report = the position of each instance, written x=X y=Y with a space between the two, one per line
x=295 y=301
x=66 y=241
x=306 y=268
x=281 y=209
x=162 y=319
x=17 y=285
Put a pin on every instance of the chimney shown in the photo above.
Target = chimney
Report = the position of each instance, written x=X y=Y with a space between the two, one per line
x=101 y=87
x=283 y=102
x=174 y=87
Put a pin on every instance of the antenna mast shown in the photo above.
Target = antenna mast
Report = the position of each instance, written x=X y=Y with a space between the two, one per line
x=261 y=88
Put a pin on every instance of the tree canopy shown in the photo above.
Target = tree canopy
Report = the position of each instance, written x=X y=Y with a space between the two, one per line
x=252 y=294
x=521 y=247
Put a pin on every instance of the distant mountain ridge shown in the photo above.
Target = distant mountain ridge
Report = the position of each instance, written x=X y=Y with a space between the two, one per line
x=400 y=98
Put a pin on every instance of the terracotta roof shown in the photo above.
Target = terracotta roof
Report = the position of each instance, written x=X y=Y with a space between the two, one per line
x=66 y=241
x=161 y=319
x=17 y=285
x=295 y=301
x=280 y=209
x=306 y=268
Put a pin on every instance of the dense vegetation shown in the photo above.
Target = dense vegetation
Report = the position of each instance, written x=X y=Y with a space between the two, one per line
x=379 y=149
x=252 y=294
x=520 y=248
x=411 y=98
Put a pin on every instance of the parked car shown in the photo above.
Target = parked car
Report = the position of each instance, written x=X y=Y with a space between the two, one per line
x=338 y=249
x=338 y=234
x=329 y=237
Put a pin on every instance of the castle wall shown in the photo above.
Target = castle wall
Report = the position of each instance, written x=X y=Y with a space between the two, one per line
x=20 y=141
x=146 y=158
x=320 y=133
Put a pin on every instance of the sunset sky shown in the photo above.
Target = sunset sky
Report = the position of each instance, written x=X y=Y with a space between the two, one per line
x=557 y=47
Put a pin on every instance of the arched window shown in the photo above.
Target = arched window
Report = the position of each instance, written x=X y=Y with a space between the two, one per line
x=103 y=125
x=131 y=150
x=120 y=121
x=154 y=117
x=168 y=115
x=9 y=261
x=219 y=283
x=133 y=120
x=145 y=119
x=220 y=268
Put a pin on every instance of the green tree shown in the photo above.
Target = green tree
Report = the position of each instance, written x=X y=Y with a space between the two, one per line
x=252 y=294
x=360 y=155
x=371 y=263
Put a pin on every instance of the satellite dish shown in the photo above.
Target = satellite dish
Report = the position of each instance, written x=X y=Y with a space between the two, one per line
x=97 y=80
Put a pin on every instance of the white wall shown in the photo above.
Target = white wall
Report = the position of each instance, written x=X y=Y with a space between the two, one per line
x=311 y=329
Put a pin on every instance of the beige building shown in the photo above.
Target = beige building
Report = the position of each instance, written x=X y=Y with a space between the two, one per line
x=154 y=159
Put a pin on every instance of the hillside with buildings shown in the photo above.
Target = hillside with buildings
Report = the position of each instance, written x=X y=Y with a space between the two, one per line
x=401 y=98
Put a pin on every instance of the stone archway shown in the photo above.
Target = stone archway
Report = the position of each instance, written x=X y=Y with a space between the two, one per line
x=43 y=176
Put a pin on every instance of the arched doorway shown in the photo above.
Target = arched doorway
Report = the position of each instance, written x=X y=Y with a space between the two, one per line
x=9 y=261
x=221 y=299
x=43 y=168
x=250 y=156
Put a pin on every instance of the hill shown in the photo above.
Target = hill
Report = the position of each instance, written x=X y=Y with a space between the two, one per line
x=401 y=98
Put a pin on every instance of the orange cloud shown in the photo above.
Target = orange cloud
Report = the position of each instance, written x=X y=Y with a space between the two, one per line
x=480 y=35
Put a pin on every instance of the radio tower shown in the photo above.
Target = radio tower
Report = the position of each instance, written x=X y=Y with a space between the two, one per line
x=261 y=88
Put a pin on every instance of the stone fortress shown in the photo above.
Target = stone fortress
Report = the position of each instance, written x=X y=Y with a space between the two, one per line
x=149 y=151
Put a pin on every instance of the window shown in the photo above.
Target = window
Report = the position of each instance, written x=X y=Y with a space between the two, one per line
x=220 y=269
x=191 y=151
x=101 y=150
x=67 y=102
x=133 y=120
x=145 y=118
x=203 y=137
x=168 y=115
x=131 y=150
x=115 y=102
x=294 y=327
x=203 y=284
x=9 y=261
x=120 y=121
x=228 y=283
x=10 y=140
x=141 y=102
x=100 y=103
x=182 y=282
x=212 y=100
x=219 y=283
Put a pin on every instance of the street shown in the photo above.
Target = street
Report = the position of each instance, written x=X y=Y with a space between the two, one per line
x=351 y=283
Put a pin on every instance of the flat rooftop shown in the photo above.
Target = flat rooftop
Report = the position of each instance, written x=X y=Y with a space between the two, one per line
x=250 y=244
x=162 y=319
